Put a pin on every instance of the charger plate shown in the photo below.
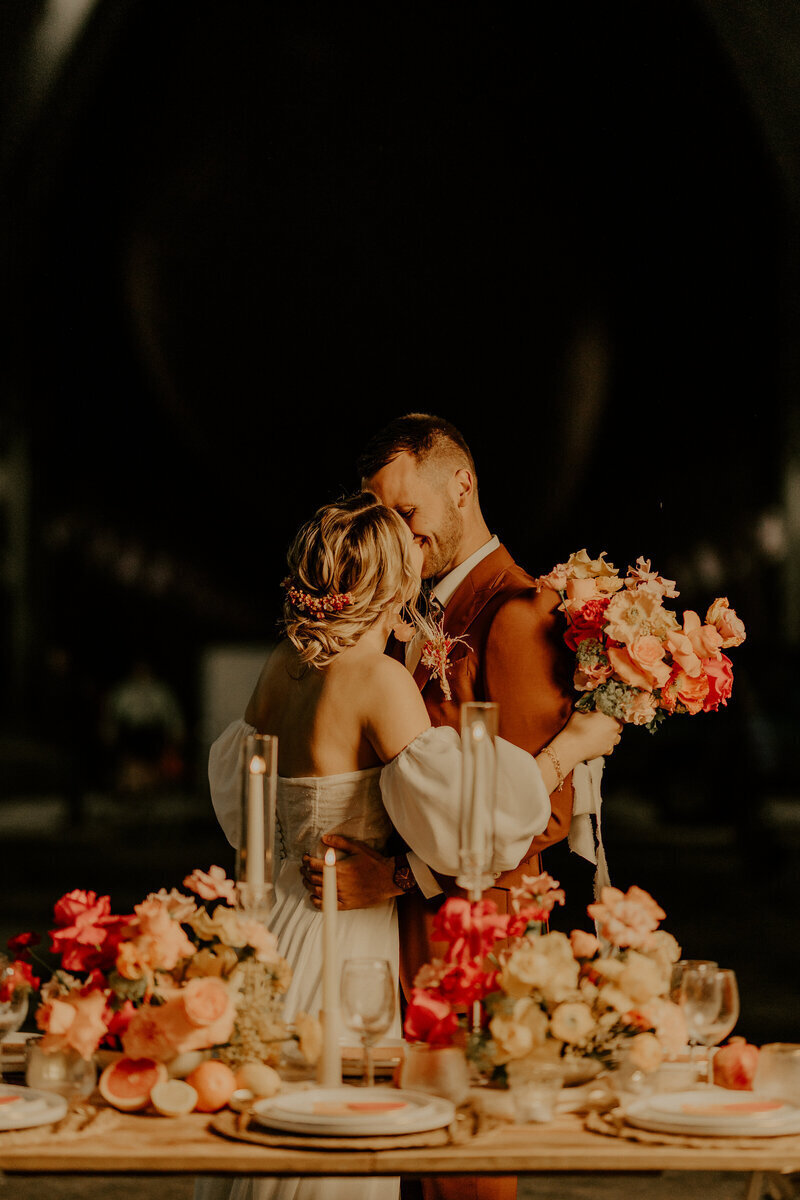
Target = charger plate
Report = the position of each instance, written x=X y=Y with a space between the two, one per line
x=241 y=1128
x=715 y=1112
x=25 y=1108
x=354 y=1111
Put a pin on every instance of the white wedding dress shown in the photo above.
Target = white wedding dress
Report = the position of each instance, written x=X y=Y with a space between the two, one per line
x=419 y=793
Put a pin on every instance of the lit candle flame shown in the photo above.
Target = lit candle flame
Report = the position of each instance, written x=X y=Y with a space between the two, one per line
x=330 y=857
x=257 y=765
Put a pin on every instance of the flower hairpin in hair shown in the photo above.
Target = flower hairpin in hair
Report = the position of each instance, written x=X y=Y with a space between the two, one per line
x=317 y=606
x=435 y=651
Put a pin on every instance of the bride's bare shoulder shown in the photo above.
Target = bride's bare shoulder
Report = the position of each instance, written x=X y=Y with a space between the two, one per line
x=280 y=667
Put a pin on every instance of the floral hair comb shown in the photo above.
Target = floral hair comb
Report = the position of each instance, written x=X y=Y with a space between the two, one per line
x=318 y=606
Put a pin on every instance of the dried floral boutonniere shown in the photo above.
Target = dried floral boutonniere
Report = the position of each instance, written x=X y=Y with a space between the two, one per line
x=435 y=651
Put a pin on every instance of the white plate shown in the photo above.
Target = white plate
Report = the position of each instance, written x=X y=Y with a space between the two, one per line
x=341 y=1112
x=714 y=1111
x=31 y=1107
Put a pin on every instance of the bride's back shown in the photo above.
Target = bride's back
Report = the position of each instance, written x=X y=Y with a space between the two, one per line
x=318 y=716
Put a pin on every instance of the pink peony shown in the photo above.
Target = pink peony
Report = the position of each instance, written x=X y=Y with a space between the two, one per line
x=719 y=673
x=429 y=1019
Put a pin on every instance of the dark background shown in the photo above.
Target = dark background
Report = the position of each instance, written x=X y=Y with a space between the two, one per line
x=238 y=238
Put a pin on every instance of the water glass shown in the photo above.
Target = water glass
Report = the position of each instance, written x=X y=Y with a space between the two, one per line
x=535 y=1088
x=440 y=1070
x=778 y=1071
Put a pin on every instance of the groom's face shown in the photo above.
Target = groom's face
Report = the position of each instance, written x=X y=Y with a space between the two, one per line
x=422 y=496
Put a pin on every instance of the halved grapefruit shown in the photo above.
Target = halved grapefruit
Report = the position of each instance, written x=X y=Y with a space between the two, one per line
x=126 y=1084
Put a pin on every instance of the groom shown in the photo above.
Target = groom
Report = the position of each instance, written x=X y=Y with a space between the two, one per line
x=421 y=466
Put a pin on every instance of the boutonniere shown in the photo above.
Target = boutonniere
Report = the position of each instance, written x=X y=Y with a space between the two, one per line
x=435 y=651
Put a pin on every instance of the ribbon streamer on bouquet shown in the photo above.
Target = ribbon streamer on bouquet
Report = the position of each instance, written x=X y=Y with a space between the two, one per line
x=585 y=837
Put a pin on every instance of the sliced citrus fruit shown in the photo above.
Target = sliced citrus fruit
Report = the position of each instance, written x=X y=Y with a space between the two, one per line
x=173 y=1097
x=214 y=1083
x=126 y=1084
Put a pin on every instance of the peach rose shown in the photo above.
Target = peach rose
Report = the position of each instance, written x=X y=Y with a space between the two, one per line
x=686 y=691
x=730 y=627
x=584 y=945
x=683 y=653
x=205 y=999
x=627 y=670
x=706 y=639
x=211 y=885
x=76 y=1022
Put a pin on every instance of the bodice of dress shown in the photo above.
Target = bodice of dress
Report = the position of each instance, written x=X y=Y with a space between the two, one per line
x=349 y=805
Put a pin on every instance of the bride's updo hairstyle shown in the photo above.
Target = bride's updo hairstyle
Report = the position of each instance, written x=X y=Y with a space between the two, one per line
x=348 y=566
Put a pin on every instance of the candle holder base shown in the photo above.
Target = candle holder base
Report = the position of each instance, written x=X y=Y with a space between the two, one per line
x=254 y=899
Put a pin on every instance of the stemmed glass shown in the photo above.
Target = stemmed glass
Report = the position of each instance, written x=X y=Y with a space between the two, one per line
x=368 y=1004
x=700 y=997
x=728 y=1014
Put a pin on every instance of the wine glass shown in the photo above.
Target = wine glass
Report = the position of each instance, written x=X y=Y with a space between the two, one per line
x=728 y=1014
x=368 y=1003
x=700 y=997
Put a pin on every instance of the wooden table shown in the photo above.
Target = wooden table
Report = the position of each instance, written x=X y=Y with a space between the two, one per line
x=146 y=1145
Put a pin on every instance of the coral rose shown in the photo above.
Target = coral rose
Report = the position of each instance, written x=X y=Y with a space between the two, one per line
x=719 y=673
x=429 y=1019
x=205 y=1000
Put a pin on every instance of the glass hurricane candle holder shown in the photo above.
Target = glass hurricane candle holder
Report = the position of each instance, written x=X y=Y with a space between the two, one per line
x=259 y=774
x=479 y=724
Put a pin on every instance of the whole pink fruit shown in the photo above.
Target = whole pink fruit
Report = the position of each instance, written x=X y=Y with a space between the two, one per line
x=735 y=1064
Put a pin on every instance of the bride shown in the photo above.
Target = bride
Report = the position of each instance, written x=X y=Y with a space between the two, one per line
x=357 y=756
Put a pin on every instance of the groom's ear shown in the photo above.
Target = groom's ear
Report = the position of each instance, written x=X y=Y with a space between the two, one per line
x=464 y=486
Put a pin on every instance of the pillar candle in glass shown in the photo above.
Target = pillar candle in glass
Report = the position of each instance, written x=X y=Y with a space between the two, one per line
x=479 y=722
x=330 y=1065
x=256 y=840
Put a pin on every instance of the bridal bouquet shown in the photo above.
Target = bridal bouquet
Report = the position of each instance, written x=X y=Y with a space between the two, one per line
x=185 y=971
x=545 y=995
x=634 y=658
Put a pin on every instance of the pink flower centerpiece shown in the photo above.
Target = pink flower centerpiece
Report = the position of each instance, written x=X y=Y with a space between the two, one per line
x=185 y=971
x=634 y=658
x=545 y=995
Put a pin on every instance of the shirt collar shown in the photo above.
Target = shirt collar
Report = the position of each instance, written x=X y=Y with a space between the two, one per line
x=445 y=589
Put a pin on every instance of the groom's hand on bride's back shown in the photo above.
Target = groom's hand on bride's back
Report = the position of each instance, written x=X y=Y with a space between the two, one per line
x=363 y=879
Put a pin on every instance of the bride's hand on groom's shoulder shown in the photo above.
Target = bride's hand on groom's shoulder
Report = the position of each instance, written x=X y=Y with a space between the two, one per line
x=363 y=879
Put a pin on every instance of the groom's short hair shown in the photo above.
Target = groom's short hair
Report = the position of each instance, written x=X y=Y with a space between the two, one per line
x=420 y=434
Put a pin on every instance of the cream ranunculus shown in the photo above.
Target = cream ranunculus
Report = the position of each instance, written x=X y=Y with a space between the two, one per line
x=641 y=978
x=572 y=1022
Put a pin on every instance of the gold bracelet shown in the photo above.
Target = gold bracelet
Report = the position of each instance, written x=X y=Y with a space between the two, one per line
x=551 y=754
